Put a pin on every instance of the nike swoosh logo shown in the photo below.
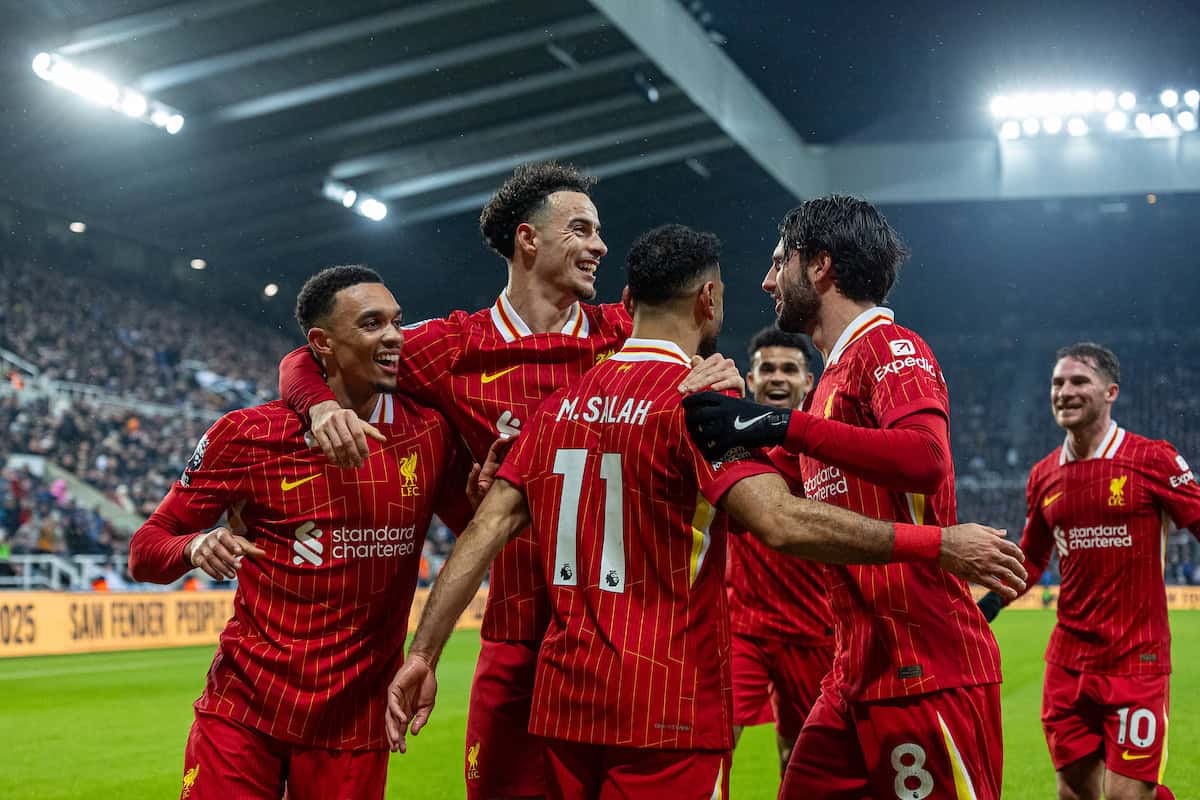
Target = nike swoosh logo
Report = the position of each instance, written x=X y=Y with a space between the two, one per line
x=740 y=424
x=287 y=485
x=1125 y=755
x=1050 y=500
x=486 y=378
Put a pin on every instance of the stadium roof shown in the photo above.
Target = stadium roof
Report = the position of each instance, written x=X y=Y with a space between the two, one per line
x=426 y=104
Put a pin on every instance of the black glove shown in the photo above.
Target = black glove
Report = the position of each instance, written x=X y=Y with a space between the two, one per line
x=990 y=604
x=718 y=422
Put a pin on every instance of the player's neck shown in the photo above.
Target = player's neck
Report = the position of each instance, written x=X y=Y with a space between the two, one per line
x=361 y=402
x=667 y=329
x=544 y=308
x=836 y=314
x=1083 y=441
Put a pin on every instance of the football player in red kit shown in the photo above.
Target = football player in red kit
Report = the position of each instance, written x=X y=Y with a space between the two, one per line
x=326 y=569
x=1104 y=500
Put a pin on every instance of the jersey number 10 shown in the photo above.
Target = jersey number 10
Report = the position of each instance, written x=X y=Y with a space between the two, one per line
x=570 y=463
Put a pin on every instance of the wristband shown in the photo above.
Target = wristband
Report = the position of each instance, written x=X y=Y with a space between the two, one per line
x=916 y=543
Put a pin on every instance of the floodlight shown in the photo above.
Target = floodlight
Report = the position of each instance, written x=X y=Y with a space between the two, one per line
x=1077 y=127
x=199 y=263
x=1105 y=100
x=1010 y=130
x=1116 y=121
x=372 y=209
x=1030 y=126
x=77 y=227
x=1169 y=98
x=1192 y=98
x=1186 y=120
x=1052 y=125
x=1127 y=100
x=271 y=289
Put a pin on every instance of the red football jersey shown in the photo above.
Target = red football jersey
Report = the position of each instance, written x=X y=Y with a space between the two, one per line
x=319 y=622
x=902 y=629
x=1108 y=516
x=623 y=506
x=773 y=595
x=487 y=373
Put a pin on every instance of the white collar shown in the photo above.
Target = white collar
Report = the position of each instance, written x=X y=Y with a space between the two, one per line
x=511 y=327
x=652 y=350
x=385 y=410
x=1108 y=446
x=866 y=321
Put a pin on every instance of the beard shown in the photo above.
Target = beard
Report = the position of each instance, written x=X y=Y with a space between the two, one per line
x=707 y=346
x=800 y=305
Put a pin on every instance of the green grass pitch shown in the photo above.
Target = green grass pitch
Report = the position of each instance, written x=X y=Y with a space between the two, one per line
x=114 y=725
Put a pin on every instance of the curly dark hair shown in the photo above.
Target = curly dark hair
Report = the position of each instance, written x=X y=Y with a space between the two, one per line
x=316 y=298
x=1099 y=357
x=865 y=251
x=774 y=337
x=522 y=196
x=665 y=262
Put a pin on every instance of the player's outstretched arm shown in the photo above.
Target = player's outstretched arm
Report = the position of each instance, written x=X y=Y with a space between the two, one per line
x=411 y=694
x=821 y=532
x=340 y=433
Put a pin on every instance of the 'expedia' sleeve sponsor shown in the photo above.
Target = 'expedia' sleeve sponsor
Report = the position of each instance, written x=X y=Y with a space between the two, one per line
x=210 y=484
x=1174 y=487
x=903 y=375
x=1037 y=541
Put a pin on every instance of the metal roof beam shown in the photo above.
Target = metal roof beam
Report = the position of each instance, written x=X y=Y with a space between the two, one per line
x=136 y=26
x=686 y=55
x=465 y=173
x=389 y=73
x=202 y=68
x=473 y=142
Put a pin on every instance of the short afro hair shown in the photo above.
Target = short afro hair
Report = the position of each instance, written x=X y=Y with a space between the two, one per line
x=316 y=298
x=865 y=251
x=667 y=261
x=522 y=196
x=774 y=337
x=1098 y=357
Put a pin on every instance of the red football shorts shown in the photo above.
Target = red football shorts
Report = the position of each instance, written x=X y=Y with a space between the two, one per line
x=775 y=680
x=581 y=771
x=225 y=760
x=941 y=745
x=503 y=758
x=1123 y=717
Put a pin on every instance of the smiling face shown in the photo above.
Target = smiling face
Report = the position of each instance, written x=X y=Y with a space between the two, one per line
x=569 y=247
x=1080 y=395
x=364 y=337
x=796 y=299
x=779 y=377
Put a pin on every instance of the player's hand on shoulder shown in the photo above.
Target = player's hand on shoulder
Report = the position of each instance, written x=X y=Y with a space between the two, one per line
x=718 y=373
x=718 y=422
x=982 y=555
x=410 y=699
x=483 y=475
x=219 y=552
x=342 y=434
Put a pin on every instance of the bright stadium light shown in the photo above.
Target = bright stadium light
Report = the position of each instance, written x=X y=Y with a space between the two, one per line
x=1083 y=102
x=99 y=90
x=1142 y=123
x=1031 y=126
x=77 y=227
x=1010 y=130
x=1116 y=121
x=199 y=263
x=1052 y=125
x=1077 y=127
x=999 y=106
x=1105 y=100
x=1192 y=98
x=349 y=198
x=1127 y=100
x=1169 y=98
x=271 y=289
x=1160 y=125
x=372 y=209
x=1186 y=120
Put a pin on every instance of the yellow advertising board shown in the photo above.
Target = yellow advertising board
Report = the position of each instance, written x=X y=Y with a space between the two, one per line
x=45 y=623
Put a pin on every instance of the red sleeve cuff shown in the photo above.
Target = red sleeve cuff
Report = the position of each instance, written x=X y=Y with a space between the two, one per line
x=797 y=432
x=509 y=473
x=731 y=474
x=915 y=406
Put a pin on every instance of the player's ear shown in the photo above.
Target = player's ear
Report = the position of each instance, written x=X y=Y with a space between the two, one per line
x=750 y=381
x=525 y=239
x=808 y=382
x=1111 y=394
x=820 y=268
x=627 y=300
x=706 y=301
x=318 y=340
